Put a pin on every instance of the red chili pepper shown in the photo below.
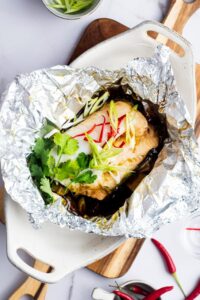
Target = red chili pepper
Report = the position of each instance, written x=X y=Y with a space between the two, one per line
x=195 y=293
x=102 y=130
x=100 y=124
x=168 y=259
x=169 y=262
x=121 y=145
x=120 y=119
x=195 y=229
x=111 y=133
x=156 y=294
x=88 y=132
x=78 y=135
x=91 y=129
x=138 y=290
x=123 y=295
x=86 y=139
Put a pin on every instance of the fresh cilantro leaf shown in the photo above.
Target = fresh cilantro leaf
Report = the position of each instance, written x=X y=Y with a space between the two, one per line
x=35 y=168
x=39 y=147
x=66 y=144
x=40 y=161
x=31 y=159
x=71 y=147
x=44 y=157
x=51 y=164
x=46 y=188
x=36 y=171
x=83 y=160
x=48 y=143
x=48 y=165
x=69 y=169
x=44 y=167
x=42 y=147
x=86 y=177
x=61 y=139
x=72 y=170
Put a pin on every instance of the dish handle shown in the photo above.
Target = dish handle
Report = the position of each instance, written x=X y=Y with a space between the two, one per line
x=164 y=34
x=46 y=273
x=183 y=64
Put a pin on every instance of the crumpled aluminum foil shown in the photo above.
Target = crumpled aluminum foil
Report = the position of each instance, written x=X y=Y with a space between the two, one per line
x=170 y=191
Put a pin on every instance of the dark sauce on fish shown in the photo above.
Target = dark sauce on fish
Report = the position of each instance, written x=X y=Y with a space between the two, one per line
x=90 y=207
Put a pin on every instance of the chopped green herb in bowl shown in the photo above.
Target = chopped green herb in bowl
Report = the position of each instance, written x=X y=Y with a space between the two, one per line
x=71 y=9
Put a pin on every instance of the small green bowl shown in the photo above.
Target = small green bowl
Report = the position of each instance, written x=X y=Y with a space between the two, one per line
x=58 y=12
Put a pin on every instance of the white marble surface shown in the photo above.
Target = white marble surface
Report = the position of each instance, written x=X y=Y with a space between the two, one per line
x=31 y=38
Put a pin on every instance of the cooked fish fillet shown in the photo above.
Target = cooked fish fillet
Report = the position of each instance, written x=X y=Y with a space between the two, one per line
x=128 y=160
x=123 y=108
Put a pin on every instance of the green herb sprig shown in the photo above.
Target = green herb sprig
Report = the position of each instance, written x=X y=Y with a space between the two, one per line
x=76 y=170
x=45 y=169
x=41 y=164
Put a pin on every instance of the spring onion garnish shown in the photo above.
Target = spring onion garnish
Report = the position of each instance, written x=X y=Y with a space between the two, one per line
x=135 y=107
x=100 y=157
x=113 y=115
x=109 y=143
x=71 y=6
x=91 y=106
x=95 y=149
x=100 y=102
x=95 y=104
x=130 y=131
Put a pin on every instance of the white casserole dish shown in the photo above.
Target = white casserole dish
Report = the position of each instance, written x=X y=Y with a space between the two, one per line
x=67 y=250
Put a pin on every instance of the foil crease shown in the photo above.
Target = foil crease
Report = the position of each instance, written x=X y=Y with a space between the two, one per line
x=169 y=192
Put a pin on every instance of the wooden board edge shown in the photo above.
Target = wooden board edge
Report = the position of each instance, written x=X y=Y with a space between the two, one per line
x=117 y=263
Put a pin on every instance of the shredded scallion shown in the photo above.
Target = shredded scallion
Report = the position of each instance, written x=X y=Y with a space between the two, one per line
x=71 y=6
x=130 y=131
x=100 y=157
x=95 y=104
x=113 y=115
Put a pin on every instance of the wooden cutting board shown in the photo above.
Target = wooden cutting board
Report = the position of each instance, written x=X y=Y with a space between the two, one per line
x=118 y=263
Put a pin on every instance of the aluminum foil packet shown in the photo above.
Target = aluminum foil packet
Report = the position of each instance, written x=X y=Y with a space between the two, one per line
x=170 y=191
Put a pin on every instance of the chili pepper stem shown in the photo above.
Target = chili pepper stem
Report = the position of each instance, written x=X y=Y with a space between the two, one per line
x=178 y=283
x=115 y=286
